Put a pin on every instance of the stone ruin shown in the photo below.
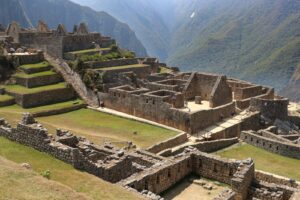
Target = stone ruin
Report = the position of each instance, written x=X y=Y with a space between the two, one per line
x=55 y=42
x=145 y=172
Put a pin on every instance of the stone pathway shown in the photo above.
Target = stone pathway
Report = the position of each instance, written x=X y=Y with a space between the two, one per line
x=127 y=116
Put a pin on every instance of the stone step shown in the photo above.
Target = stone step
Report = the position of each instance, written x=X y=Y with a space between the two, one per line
x=37 y=79
x=35 y=68
x=6 y=100
x=40 y=96
x=75 y=54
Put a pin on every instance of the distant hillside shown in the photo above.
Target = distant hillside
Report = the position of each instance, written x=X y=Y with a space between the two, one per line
x=143 y=17
x=257 y=40
x=28 y=12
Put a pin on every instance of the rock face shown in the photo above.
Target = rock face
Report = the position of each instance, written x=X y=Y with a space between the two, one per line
x=29 y=12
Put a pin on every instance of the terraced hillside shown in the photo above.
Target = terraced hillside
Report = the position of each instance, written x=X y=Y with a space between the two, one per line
x=41 y=90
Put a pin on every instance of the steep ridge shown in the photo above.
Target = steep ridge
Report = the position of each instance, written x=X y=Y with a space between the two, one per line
x=28 y=12
x=143 y=17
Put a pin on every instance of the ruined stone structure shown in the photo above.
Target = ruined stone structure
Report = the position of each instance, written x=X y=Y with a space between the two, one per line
x=56 y=42
x=212 y=111
x=143 y=171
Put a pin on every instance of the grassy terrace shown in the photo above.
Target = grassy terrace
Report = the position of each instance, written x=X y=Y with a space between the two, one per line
x=5 y=98
x=37 y=65
x=28 y=186
x=96 y=126
x=23 y=90
x=89 y=51
x=14 y=113
x=45 y=73
x=264 y=160
x=122 y=67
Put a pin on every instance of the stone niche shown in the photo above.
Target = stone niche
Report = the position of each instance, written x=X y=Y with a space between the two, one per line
x=198 y=100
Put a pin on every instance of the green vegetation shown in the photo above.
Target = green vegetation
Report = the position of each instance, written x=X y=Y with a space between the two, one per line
x=264 y=160
x=163 y=70
x=23 y=90
x=89 y=51
x=101 y=127
x=89 y=186
x=37 y=65
x=14 y=113
x=96 y=126
x=45 y=73
x=5 y=98
x=122 y=67
x=20 y=183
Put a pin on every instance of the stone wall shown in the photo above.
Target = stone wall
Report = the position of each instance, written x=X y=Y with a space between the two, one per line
x=272 y=178
x=39 y=80
x=282 y=148
x=205 y=118
x=221 y=93
x=172 y=142
x=141 y=72
x=7 y=102
x=247 y=92
x=206 y=146
x=43 y=98
x=23 y=59
x=274 y=108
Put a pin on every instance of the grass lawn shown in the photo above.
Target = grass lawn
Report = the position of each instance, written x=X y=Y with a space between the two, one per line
x=89 y=51
x=88 y=185
x=265 y=160
x=163 y=70
x=45 y=73
x=96 y=126
x=5 y=98
x=100 y=127
x=14 y=113
x=122 y=67
x=23 y=90
x=20 y=183
x=37 y=65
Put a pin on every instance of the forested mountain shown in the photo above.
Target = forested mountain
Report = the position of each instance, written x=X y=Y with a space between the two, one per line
x=28 y=12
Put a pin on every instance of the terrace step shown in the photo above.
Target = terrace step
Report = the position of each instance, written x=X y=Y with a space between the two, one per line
x=40 y=96
x=6 y=100
x=35 y=68
x=37 y=79
x=75 y=54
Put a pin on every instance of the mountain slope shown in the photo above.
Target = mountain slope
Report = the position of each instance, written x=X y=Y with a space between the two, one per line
x=143 y=17
x=257 y=40
x=28 y=12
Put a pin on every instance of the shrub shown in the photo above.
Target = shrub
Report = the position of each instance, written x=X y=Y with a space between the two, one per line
x=46 y=174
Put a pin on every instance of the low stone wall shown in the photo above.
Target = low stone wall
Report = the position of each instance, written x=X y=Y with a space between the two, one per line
x=39 y=81
x=205 y=118
x=209 y=146
x=36 y=70
x=111 y=63
x=58 y=111
x=172 y=142
x=247 y=92
x=285 y=149
x=44 y=97
x=7 y=102
x=24 y=59
x=272 y=178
